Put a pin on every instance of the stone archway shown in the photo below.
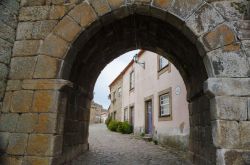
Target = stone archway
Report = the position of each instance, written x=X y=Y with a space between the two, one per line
x=61 y=49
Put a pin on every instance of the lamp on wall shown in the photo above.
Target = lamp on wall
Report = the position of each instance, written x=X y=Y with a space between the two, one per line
x=136 y=60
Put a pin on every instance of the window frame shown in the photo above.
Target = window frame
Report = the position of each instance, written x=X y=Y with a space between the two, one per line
x=169 y=116
x=132 y=80
x=166 y=68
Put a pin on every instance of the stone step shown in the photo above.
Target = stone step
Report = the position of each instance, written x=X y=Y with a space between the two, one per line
x=148 y=137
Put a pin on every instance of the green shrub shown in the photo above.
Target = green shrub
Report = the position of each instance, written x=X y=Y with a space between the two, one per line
x=108 y=120
x=113 y=124
x=119 y=127
x=142 y=134
x=125 y=128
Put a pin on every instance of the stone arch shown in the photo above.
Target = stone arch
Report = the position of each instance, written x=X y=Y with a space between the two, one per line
x=205 y=48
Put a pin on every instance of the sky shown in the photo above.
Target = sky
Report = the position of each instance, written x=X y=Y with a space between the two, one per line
x=108 y=74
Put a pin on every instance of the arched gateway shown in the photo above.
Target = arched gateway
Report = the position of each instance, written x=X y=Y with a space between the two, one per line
x=62 y=46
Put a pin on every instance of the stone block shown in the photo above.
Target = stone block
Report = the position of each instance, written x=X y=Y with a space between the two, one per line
x=226 y=134
x=114 y=4
x=163 y=4
x=26 y=47
x=27 y=122
x=22 y=67
x=101 y=6
x=21 y=101
x=3 y=71
x=42 y=28
x=32 y=2
x=34 y=13
x=204 y=20
x=5 y=51
x=33 y=160
x=233 y=157
x=54 y=46
x=13 y=85
x=7 y=102
x=220 y=36
x=184 y=8
x=229 y=108
x=11 y=160
x=44 y=145
x=52 y=84
x=83 y=14
x=67 y=29
x=57 y=12
x=4 y=136
x=245 y=134
x=6 y=32
x=8 y=122
x=8 y=16
x=45 y=62
x=45 y=101
x=47 y=123
x=17 y=144
x=248 y=108
x=24 y=30
x=229 y=62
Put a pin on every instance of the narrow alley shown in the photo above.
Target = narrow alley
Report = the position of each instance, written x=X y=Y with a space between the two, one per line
x=110 y=148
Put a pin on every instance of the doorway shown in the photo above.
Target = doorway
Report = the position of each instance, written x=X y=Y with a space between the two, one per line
x=149 y=117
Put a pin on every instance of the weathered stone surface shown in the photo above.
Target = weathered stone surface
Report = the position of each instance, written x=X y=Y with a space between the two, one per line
x=184 y=8
x=54 y=46
x=4 y=136
x=233 y=157
x=227 y=10
x=8 y=16
x=47 y=123
x=45 y=101
x=26 y=47
x=114 y=4
x=203 y=20
x=21 y=101
x=229 y=108
x=248 y=109
x=83 y=14
x=226 y=134
x=244 y=134
x=5 y=51
x=164 y=4
x=8 y=122
x=45 y=84
x=67 y=29
x=24 y=30
x=227 y=86
x=246 y=45
x=34 y=160
x=34 y=13
x=45 y=62
x=32 y=2
x=17 y=160
x=42 y=28
x=7 y=102
x=6 y=32
x=22 y=67
x=57 y=12
x=220 y=36
x=13 y=85
x=27 y=122
x=17 y=143
x=229 y=62
x=101 y=6
x=3 y=71
x=43 y=145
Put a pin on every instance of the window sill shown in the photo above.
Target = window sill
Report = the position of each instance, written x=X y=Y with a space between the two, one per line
x=163 y=70
x=165 y=118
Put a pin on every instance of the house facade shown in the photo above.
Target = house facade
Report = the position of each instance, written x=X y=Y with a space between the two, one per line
x=95 y=113
x=154 y=99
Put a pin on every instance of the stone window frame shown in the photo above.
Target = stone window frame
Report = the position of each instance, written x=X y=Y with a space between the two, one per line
x=127 y=109
x=169 y=117
x=131 y=88
x=167 y=68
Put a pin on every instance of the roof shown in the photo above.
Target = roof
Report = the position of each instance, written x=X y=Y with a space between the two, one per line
x=125 y=69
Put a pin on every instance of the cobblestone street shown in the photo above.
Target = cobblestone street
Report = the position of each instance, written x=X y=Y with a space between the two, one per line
x=110 y=148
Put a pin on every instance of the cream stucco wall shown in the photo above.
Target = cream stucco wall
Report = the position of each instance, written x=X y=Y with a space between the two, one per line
x=148 y=84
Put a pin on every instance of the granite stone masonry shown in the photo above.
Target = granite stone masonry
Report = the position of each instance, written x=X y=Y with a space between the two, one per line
x=52 y=51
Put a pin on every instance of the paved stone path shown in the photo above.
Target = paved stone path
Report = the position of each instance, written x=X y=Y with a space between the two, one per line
x=110 y=148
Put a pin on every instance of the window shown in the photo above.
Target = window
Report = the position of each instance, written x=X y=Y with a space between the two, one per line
x=119 y=92
x=163 y=62
x=126 y=114
x=132 y=80
x=164 y=105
